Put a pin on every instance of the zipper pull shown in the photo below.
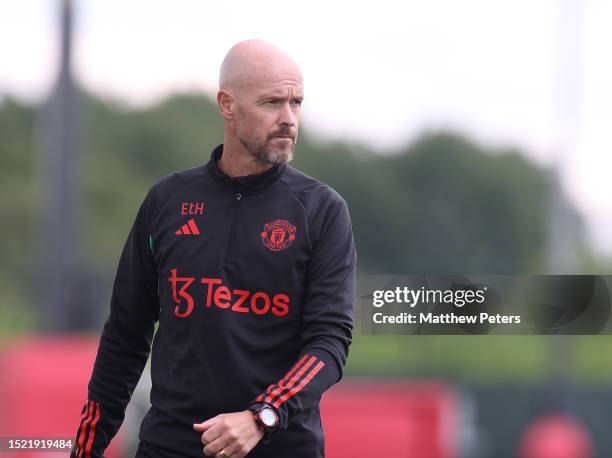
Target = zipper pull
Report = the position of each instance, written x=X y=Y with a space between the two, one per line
x=238 y=196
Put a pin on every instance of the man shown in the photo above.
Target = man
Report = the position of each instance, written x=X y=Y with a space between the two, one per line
x=249 y=267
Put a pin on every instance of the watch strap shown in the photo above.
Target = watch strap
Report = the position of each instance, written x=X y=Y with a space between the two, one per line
x=256 y=409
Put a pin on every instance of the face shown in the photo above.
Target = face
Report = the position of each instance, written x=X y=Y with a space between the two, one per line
x=267 y=119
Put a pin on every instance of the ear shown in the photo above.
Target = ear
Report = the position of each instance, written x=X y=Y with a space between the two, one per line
x=226 y=104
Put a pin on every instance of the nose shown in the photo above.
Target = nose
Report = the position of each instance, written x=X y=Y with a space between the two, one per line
x=287 y=116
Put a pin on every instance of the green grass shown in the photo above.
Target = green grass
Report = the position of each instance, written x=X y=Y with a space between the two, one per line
x=484 y=359
x=16 y=314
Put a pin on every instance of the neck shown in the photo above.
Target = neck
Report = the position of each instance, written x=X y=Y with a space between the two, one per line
x=236 y=161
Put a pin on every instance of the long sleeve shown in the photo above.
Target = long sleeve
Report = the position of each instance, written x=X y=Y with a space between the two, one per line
x=125 y=342
x=327 y=320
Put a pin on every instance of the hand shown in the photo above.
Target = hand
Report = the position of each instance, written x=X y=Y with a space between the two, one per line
x=234 y=433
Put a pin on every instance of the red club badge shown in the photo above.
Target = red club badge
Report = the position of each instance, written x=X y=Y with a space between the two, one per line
x=278 y=235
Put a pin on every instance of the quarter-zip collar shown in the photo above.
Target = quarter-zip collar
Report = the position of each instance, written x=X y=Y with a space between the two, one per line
x=247 y=184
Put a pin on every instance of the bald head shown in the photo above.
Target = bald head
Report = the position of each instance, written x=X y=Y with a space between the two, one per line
x=260 y=97
x=253 y=61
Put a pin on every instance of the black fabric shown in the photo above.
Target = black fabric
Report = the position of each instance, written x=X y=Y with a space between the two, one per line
x=246 y=184
x=146 y=450
x=252 y=282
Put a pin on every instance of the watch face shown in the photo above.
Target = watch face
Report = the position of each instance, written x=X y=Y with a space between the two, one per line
x=268 y=417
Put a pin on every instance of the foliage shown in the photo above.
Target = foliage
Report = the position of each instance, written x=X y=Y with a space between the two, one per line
x=441 y=205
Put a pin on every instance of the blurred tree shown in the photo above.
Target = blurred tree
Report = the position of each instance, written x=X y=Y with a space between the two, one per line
x=441 y=205
x=17 y=196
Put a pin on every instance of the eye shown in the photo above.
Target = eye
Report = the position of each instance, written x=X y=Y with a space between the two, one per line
x=297 y=102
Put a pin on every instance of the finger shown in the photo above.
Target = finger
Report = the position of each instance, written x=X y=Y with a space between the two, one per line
x=229 y=451
x=214 y=448
x=204 y=425
x=232 y=454
x=212 y=434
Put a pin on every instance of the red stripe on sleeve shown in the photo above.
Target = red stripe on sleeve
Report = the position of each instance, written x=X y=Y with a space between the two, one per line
x=84 y=426
x=92 y=432
x=281 y=387
x=301 y=385
x=284 y=379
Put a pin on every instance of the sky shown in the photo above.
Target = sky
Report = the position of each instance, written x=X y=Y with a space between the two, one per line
x=535 y=75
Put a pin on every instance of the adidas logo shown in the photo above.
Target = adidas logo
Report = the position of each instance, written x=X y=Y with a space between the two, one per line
x=189 y=228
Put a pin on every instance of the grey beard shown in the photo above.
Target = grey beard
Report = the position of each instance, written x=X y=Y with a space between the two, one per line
x=263 y=156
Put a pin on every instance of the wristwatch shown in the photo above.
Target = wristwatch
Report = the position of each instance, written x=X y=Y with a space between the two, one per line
x=265 y=416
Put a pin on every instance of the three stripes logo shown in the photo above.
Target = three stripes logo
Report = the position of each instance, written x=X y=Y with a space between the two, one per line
x=189 y=228
x=87 y=430
x=293 y=382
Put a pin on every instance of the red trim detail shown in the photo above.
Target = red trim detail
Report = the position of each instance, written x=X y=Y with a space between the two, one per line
x=301 y=385
x=299 y=373
x=284 y=379
x=81 y=436
x=193 y=227
x=92 y=432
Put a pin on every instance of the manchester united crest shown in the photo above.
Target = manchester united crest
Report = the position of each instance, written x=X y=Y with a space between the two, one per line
x=278 y=235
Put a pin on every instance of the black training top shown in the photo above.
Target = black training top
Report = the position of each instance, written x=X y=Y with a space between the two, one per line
x=252 y=281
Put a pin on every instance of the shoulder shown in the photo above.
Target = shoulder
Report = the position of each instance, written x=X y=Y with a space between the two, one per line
x=167 y=186
x=174 y=182
x=312 y=193
x=326 y=210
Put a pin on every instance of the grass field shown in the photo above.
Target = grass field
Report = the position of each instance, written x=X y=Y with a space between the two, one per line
x=484 y=359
